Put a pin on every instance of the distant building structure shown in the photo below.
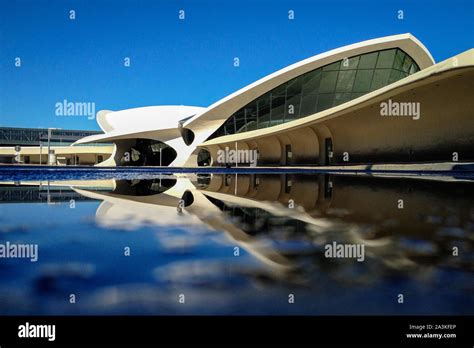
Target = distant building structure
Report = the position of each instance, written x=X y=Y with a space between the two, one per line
x=50 y=146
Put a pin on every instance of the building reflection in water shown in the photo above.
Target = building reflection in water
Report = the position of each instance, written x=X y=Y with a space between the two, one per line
x=285 y=221
x=410 y=227
x=404 y=223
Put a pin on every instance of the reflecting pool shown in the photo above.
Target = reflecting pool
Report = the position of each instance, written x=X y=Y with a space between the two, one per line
x=142 y=243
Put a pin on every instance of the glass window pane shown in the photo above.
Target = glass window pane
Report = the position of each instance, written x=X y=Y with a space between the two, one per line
x=280 y=90
x=340 y=98
x=308 y=105
x=250 y=116
x=406 y=64
x=263 y=123
x=250 y=109
x=230 y=126
x=367 y=61
x=311 y=82
x=399 y=57
x=363 y=80
x=328 y=81
x=263 y=111
x=294 y=86
x=251 y=126
x=350 y=64
x=240 y=125
x=219 y=132
x=380 y=79
x=325 y=101
x=332 y=67
x=277 y=109
x=292 y=108
x=385 y=59
x=395 y=75
x=412 y=69
x=345 y=81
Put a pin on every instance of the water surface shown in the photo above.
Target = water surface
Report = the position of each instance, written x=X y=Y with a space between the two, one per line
x=135 y=242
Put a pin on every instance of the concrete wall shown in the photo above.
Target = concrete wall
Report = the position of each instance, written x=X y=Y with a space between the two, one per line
x=446 y=125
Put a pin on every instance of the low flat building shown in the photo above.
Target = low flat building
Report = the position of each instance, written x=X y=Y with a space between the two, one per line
x=30 y=146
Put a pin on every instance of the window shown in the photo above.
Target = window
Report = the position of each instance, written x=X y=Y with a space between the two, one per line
x=380 y=79
x=332 y=67
x=279 y=91
x=240 y=124
x=308 y=105
x=277 y=109
x=230 y=127
x=328 y=81
x=340 y=98
x=250 y=118
x=367 y=61
x=395 y=75
x=399 y=58
x=363 y=80
x=385 y=59
x=292 y=108
x=293 y=97
x=325 y=101
x=263 y=112
x=320 y=89
x=294 y=87
x=311 y=82
x=350 y=64
x=345 y=81
x=406 y=64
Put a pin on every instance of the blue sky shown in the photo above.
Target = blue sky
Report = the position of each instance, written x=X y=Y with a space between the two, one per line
x=187 y=62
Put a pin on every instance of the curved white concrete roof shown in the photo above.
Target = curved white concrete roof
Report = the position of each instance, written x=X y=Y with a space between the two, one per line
x=117 y=124
x=225 y=107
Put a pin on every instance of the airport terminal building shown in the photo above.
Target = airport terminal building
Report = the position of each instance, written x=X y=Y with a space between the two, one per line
x=379 y=101
x=50 y=146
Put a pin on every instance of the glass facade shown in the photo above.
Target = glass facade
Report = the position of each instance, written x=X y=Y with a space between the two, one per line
x=33 y=136
x=321 y=89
